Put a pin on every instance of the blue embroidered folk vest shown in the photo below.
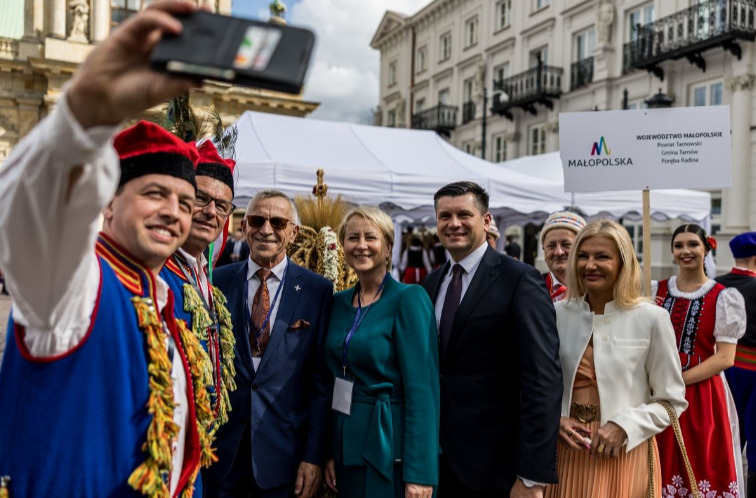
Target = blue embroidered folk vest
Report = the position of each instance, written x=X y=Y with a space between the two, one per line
x=74 y=425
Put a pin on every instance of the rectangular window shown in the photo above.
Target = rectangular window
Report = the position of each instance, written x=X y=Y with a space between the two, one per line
x=540 y=53
x=504 y=14
x=499 y=149
x=421 y=63
x=640 y=104
x=391 y=121
x=537 y=140
x=120 y=10
x=502 y=72
x=420 y=105
x=707 y=94
x=640 y=15
x=443 y=97
x=468 y=147
x=467 y=90
x=583 y=45
x=540 y=4
x=716 y=205
x=392 y=73
x=471 y=32
x=445 y=43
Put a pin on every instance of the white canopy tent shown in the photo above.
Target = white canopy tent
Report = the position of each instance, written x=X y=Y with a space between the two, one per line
x=398 y=169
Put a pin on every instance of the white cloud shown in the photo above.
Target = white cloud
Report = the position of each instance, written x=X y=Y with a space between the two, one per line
x=344 y=75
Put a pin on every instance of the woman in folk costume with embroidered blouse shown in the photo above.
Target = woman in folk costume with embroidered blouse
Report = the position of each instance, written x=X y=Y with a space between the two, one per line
x=621 y=386
x=101 y=390
x=198 y=302
x=708 y=320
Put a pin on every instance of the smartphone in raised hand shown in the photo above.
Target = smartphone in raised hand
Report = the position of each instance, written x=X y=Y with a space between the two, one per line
x=239 y=51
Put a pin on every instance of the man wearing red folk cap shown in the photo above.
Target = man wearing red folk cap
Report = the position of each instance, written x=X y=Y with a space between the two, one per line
x=102 y=389
x=198 y=302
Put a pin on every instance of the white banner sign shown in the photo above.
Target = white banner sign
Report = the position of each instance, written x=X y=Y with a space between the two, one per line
x=682 y=147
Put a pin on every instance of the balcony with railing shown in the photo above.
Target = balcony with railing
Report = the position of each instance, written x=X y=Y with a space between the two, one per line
x=441 y=118
x=468 y=111
x=581 y=73
x=539 y=85
x=689 y=32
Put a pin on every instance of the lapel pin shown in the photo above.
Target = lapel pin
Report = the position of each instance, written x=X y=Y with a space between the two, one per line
x=297 y=288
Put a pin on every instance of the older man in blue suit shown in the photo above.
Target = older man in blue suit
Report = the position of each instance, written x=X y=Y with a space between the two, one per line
x=273 y=443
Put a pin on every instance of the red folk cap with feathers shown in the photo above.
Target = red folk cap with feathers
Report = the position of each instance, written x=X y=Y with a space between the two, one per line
x=213 y=165
x=146 y=149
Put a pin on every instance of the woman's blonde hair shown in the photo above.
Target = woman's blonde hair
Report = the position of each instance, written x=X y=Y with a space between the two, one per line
x=627 y=288
x=379 y=219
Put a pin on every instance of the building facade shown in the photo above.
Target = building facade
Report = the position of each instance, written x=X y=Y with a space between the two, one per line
x=42 y=42
x=532 y=59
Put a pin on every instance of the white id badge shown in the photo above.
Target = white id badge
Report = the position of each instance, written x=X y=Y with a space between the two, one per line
x=342 y=395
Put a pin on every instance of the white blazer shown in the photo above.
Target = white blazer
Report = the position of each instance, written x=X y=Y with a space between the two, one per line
x=636 y=361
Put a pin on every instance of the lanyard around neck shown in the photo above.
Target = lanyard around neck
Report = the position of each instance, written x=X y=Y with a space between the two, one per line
x=358 y=317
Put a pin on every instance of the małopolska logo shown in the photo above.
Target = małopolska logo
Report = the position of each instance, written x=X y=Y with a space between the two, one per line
x=599 y=146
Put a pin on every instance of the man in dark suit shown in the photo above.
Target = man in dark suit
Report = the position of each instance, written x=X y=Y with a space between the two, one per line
x=501 y=381
x=236 y=250
x=273 y=443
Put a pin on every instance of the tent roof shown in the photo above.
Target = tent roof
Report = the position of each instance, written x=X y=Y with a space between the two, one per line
x=373 y=165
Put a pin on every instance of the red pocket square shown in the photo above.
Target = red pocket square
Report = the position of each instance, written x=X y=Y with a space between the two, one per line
x=300 y=324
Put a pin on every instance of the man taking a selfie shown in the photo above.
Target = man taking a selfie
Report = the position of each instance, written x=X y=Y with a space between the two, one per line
x=101 y=390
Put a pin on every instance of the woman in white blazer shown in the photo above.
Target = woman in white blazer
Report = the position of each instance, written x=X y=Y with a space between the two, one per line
x=618 y=356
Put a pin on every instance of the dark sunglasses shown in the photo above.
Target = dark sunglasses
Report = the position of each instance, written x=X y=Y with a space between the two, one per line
x=276 y=222
x=202 y=199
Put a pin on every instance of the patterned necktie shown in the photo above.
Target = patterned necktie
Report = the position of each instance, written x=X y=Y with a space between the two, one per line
x=260 y=309
x=451 y=304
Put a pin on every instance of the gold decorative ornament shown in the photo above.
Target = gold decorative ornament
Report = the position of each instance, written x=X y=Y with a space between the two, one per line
x=317 y=246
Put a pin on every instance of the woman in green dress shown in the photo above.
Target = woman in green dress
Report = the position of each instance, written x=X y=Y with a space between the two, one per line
x=382 y=348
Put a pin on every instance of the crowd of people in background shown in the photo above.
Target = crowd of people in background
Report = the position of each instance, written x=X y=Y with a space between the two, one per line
x=133 y=369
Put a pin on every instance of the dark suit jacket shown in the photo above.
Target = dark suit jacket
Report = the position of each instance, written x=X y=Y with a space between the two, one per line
x=501 y=381
x=287 y=400
x=225 y=257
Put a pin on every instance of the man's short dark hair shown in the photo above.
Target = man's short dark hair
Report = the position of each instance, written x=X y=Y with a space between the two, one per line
x=456 y=189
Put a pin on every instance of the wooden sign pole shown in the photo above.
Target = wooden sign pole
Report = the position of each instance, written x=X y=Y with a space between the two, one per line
x=647 y=242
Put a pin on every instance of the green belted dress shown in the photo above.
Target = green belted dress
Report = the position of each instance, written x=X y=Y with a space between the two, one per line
x=392 y=432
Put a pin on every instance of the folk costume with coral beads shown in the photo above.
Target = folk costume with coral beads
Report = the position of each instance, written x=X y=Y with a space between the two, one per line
x=204 y=306
x=701 y=319
x=100 y=390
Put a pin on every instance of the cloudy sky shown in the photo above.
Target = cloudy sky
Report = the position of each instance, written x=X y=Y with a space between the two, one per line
x=344 y=71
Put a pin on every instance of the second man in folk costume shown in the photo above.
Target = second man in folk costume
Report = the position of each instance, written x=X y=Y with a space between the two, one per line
x=198 y=302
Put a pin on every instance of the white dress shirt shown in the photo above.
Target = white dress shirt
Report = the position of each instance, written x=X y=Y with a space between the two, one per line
x=48 y=234
x=198 y=266
x=470 y=263
x=253 y=283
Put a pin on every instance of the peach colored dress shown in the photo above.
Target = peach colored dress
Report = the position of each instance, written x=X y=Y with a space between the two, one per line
x=581 y=476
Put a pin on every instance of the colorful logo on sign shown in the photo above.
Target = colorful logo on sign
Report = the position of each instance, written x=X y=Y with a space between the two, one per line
x=600 y=146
